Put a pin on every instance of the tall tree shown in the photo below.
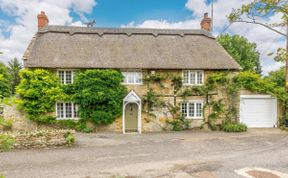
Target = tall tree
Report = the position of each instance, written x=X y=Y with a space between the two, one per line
x=5 y=87
x=14 y=66
x=256 y=12
x=244 y=52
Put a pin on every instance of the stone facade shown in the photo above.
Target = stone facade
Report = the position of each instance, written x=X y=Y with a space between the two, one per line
x=154 y=121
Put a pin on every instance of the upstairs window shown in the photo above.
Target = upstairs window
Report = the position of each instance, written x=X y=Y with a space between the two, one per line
x=132 y=77
x=66 y=110
x=191 y=77
x=66 y=76
x=192 y=109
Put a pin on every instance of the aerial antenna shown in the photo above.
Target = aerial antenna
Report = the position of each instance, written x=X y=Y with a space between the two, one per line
x=212 y=14
x=91 y=23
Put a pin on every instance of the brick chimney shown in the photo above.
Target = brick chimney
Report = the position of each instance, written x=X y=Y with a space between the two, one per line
x=42 y=20
x=206 y=22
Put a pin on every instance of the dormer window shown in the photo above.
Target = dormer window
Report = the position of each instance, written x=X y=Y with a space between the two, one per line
x=191 y=77
x=66 y=76
x=132 y=77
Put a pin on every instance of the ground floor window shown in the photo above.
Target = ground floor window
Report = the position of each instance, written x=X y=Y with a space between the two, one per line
x=192 y=109
x=66 y=110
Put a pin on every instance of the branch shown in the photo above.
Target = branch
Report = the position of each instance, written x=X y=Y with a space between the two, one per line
x=264 y=25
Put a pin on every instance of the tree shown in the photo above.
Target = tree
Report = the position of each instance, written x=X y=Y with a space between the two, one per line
x=99 y=95
x=244 y=52
x=5 y=89
x=255 y=13
x=277 y=77
x=14 y=67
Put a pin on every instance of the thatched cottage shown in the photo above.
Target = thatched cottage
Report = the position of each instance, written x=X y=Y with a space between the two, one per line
x=192 y=54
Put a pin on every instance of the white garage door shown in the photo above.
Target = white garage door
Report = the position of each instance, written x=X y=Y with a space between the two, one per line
x=258 y=111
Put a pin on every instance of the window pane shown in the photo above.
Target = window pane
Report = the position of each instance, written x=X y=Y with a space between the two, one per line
x=192 y=78
x=75 y=114
x=199 y=77
x=130 y=77
x=68 y=110
x=185 y=77
x=60 y=113
x=68 y=77
x=191 y=112
x=61 y=76
x=198 y=109
x=184 y=109
x=138 y=77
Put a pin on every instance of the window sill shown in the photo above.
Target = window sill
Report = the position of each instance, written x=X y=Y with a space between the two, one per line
x=194 y=118
x=132 y=83
x=76 y=118
x=192 y=84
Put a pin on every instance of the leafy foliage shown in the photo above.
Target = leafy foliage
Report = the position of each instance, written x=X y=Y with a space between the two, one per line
x=234 y=127
x=178 y=121
x=244 y=52
x=150 y=100
x=70 y=138
x=6 y=124
x=14 y=67
x=99 y=94
x=257 y=12
x=5 y=87
x=39 y=90
x=277 y=77
x=6 y=142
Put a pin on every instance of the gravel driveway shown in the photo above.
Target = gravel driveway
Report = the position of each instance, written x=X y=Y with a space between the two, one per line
x=167 y=154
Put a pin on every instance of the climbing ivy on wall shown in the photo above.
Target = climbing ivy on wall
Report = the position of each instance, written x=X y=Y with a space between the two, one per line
x=99 y=94
x=39 y=90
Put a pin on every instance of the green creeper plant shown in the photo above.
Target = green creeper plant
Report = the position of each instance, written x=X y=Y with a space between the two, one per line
x=39 y=89
x=99 y=95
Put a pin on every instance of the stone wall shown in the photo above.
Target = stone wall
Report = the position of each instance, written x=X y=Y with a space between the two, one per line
x=40 y=138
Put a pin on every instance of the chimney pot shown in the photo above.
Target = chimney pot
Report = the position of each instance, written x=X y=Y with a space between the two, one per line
x=42 y=20
x=206 y=22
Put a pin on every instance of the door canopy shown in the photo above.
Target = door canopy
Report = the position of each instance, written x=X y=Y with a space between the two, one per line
x=132 y=97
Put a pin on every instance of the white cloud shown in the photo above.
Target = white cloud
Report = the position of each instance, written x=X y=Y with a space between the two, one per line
x=266 y=40
x=25 y=13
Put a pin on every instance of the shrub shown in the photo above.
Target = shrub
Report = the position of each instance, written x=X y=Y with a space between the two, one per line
x=69 y=137
x=179 y=123
x=39 y=90
x=6 y=142
x=99 y=95
x=7 y=125
x=234 y=127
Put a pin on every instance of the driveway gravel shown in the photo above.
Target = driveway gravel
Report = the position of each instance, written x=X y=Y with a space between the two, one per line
x=167 y=154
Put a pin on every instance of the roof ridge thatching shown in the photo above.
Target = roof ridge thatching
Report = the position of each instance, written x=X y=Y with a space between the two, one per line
x=128 y=31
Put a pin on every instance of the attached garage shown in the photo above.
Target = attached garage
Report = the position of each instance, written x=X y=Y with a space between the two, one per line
x=258 y=111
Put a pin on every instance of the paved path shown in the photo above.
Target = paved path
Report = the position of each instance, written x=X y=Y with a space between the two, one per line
x=168 y=154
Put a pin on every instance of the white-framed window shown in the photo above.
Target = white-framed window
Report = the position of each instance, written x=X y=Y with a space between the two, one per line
x=192 y=77
x=192 y=109
x=66 y=110
x=66 y=76
x=132 y=77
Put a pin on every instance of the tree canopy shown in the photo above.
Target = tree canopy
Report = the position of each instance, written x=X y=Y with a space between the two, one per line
x=14 y=66
x=5 y=87
x=244 y=52
x=277 y=77
x=256 y=11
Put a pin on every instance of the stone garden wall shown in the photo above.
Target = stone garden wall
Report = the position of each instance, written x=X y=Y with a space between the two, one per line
x=40 y=138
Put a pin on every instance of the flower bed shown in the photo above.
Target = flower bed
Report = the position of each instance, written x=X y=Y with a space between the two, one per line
x=41 y=138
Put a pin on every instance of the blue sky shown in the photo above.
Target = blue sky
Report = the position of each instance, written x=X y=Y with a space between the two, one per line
x=18 y=20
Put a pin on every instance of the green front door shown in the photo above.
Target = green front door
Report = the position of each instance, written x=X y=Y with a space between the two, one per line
x=131 y=117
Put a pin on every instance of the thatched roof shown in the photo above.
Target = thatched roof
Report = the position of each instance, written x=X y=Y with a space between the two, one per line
x=122 y=48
